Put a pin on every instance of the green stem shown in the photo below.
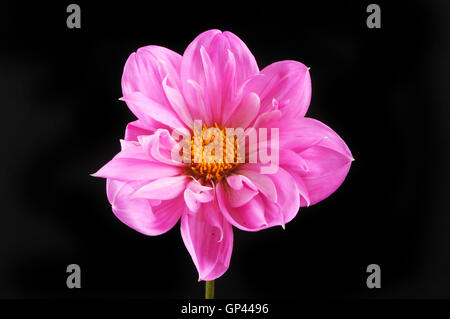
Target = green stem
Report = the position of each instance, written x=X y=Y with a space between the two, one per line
x=209 y=289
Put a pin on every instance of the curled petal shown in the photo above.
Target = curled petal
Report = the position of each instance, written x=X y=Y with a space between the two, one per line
x=138 y=213
x=196 y=194
x=328 y=158
x=262 y=211
x=248 y=217
x=293 y=160
x=301 y=186
x=159 y=146
x=303 y=133
x=287 y=194
x=137 y=128
x=145 y=70
x=328 y=170
x=264 y=184
x=237 y=182
x=143 y=73
x=208 y=240
x=163 y=188
x=131 y=149
x=284 y=85
x=240 y=190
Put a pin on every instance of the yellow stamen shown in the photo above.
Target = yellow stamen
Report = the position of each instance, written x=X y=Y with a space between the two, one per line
x=209 y=168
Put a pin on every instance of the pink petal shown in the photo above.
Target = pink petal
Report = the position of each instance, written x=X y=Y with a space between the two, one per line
x=163 y=188
x=245 y=61
x=145 y=70
x=178 y=104
x=323 y=186
x=245 y=113
x=210 y=85
x=132 y=150
x=266 y=118
x=301 y=186
x=159 y=146
x=198 y=106
x=262 y=182
x=219 y=63
x=248 y=217
x=293 y=160
x=241 y=196
x=129 y=169
x=137 y=128
x=132 y=163
x=138 y=213
x=289 y=83
x=210 y=245
x=196 y=194
x=302 y=133
x=238 y=182
x=125 y=145
x=287 y=194
x=325 y=153
x=262 y=211
x=148 y=111
x=329 y=138
x=273 y=214
x=229 y=87
x=328 y=170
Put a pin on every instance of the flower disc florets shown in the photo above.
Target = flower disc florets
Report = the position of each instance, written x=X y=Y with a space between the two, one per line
x=213 y=162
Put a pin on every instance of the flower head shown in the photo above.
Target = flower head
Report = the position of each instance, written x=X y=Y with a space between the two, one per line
x=218 y=143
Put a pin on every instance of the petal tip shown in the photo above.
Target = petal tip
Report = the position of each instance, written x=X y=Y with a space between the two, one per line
x=96 y=174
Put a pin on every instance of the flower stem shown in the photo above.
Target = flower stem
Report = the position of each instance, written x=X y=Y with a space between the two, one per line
x=209 y=289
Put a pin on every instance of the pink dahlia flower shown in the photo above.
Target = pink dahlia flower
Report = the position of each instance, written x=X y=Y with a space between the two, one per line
x=218 y=82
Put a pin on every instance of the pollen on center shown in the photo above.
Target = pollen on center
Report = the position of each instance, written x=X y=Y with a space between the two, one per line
x=213 y=154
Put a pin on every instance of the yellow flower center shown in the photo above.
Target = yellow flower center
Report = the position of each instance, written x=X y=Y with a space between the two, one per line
x=206 y=161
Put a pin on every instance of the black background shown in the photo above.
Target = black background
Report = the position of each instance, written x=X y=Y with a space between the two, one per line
x=385 y=91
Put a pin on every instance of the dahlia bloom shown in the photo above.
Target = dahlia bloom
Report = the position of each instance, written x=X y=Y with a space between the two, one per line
x=217 y=81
